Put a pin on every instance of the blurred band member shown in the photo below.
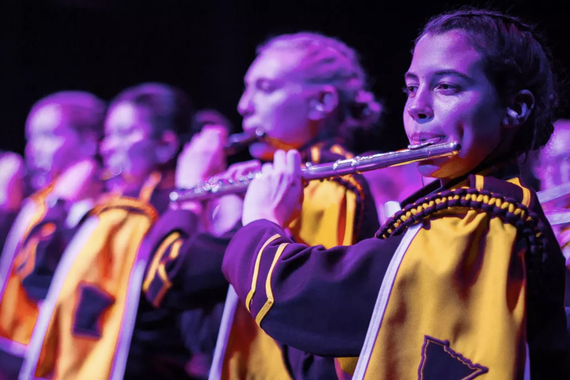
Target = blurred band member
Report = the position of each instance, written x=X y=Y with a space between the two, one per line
x=63 y=131
x=92 y=323
x=306 y=91
x=553 y=170
x=12 y=172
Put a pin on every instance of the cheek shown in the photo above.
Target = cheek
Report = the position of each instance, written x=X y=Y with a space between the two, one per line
x=290 y=115
x=474 y=123
x=141 y=153
x=59 y=148
x=483 y=133
x=408 y=122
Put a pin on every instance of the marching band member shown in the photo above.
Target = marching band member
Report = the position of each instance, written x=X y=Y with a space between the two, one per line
x=92 y=324
x=63 y=131
x=467 y=279
x=12 y=191
x=306 y=91
x=553 y=169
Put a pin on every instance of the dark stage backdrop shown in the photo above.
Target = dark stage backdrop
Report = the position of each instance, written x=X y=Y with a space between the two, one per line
x=103 y=46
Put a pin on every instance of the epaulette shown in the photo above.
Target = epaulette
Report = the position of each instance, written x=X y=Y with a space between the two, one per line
x=509 y=209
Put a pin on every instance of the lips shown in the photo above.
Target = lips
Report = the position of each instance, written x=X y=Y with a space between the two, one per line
x=249 y=127
x=418 y=138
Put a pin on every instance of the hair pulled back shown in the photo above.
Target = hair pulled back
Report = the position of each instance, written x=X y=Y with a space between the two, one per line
x=327 y=60
x=83 y=111
x=168 y=107
x=514 y=59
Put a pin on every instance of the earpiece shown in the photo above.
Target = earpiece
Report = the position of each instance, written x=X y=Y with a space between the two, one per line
x=518 y=116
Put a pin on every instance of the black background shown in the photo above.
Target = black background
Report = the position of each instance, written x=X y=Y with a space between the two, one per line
x=205 y=48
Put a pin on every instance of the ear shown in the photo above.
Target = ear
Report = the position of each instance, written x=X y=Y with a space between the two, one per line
x=169 y=145
x=323 y=103
x=519 y=110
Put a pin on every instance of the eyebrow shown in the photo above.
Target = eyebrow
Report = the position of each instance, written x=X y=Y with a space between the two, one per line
x=255 y=80
x=441 y=73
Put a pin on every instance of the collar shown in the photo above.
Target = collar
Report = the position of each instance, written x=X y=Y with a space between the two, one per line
x=499 y=169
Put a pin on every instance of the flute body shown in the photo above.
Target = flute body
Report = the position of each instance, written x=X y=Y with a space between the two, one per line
x=215 y=188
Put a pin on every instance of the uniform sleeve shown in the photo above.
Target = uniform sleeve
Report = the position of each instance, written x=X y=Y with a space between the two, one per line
x=184 y=271
x=314 y=299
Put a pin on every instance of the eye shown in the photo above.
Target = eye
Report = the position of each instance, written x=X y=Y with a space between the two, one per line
x=265 y=86
x=410 y=90
x=448 y=88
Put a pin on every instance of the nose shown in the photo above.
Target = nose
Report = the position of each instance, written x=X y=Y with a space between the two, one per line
x=420 y=107
x=245 y=105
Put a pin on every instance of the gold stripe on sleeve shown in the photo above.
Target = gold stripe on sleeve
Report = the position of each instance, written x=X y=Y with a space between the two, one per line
x=166 y=283
x=270 y=300
x=174 y=251
x=157 y=257
x=256 y=271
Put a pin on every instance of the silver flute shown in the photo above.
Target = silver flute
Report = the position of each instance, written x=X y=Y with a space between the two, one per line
x=239 y=141
x=425 y=151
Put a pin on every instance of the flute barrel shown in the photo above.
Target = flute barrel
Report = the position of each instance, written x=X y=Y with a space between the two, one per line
x=216 y=188
x=239 y=141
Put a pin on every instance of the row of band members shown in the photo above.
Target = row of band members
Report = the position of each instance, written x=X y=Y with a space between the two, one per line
x=108 y=280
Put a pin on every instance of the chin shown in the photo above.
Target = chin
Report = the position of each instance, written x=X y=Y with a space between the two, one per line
x=440 y=168
x=428 y=170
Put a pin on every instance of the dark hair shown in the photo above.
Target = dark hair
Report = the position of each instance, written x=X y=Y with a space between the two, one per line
x=210 y=116
x=83 y=111
x=514 y=59
x=170 y=108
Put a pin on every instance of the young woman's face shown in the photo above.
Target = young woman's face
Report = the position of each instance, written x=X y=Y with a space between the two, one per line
x=277 y=100
x=53 y=144
x=450 y=98
x=129 y=149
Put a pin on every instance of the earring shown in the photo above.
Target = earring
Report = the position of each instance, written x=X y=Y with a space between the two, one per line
x=319 y=107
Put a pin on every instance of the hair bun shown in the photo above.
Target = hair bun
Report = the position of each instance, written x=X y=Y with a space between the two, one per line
x=365 y=111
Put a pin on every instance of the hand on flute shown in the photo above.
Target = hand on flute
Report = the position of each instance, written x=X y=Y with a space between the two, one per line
x=277 y=194
x=202 y=158
x=78 y=182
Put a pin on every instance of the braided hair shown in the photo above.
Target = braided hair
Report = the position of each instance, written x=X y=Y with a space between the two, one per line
x=327 y=60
